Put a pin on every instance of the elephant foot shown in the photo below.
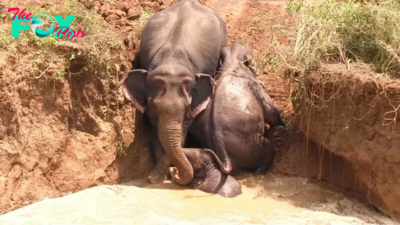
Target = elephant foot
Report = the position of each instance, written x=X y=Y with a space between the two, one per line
x=277 y=136
x=156 y=177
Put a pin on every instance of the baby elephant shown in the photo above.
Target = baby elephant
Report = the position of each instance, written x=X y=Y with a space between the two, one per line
x=233 y=123
x=207 y=176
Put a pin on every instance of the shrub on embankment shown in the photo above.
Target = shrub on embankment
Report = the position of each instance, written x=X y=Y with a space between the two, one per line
x=344 y=58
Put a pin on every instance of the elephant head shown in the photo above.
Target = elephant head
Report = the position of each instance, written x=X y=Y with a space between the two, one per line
x=171 y=96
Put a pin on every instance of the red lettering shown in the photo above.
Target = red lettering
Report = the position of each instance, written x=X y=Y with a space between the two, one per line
x=21 y=14
x=69 y=34
x=83 y=34
x=64 y=32
x=74 y=33
x=78 y=33
x=13 y=9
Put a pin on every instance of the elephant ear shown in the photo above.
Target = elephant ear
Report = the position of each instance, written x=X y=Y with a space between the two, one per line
x=199 y=176
x=225 y=52
x=201 y=93
x=134 y=88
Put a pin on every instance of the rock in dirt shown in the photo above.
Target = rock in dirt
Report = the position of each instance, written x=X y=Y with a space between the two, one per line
x=105 y=8
x=127 y=29
x=133 y=14
x=114 y=11
x=112 y=17
x=151 y=6
x=167 y=3
x=67 y=45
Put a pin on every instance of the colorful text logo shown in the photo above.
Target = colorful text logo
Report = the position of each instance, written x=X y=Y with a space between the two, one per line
x=63 y=27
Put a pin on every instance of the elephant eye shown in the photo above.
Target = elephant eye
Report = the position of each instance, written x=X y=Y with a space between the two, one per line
x=188 y=84
x=186 y=87
x=157 y=87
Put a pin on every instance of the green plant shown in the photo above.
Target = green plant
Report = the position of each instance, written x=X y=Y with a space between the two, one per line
x=144 y=16
x=59 y=74
x=95 y=48
x=342 y=31
x=121 y=148
x=272 y=62
x=294 y=6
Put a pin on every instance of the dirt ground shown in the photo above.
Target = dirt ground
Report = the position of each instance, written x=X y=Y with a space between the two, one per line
x=60 y=135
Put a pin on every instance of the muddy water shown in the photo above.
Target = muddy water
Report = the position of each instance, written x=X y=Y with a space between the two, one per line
x=270 y=199
x=272 y=193
x=261 y=194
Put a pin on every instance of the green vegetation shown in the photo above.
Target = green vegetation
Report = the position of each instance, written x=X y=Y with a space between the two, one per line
x=121 y=149
x=144 y=16
x=94 y=49
x=340 y=31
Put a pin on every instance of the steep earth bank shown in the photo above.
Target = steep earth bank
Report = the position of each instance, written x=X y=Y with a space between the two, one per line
x=63 y=124
x=354 y=114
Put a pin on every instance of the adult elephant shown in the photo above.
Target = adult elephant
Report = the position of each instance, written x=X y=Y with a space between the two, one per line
x=233 y=123
x=179 y=50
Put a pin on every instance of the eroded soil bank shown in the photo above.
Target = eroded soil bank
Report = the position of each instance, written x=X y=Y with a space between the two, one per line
x=354 y=114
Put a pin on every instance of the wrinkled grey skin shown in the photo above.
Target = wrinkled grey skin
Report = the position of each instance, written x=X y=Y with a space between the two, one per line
x=233 y=123
x=179 y=50
x=207 y=176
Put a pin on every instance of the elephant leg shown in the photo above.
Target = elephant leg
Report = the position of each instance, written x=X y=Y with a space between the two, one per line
x=157 y=175
x=267 y=153
x=220 y=150
x=272 y=115
x=162 y=162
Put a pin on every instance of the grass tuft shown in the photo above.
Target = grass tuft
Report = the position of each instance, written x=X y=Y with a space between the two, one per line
x=92 y=52
x=341 y=31
x=341 y=50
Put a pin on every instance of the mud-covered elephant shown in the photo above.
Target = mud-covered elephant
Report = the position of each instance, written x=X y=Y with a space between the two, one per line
x=233 y=123
x=179 y=49
x=207 y=176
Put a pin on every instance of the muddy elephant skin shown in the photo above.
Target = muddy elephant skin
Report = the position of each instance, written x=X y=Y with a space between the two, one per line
x=233 y=123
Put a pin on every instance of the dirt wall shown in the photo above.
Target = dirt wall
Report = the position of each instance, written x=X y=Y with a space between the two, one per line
x=356 y=118
x=62 y=133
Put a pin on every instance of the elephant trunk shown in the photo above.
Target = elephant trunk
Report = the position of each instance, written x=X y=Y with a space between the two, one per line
x=170 y=135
